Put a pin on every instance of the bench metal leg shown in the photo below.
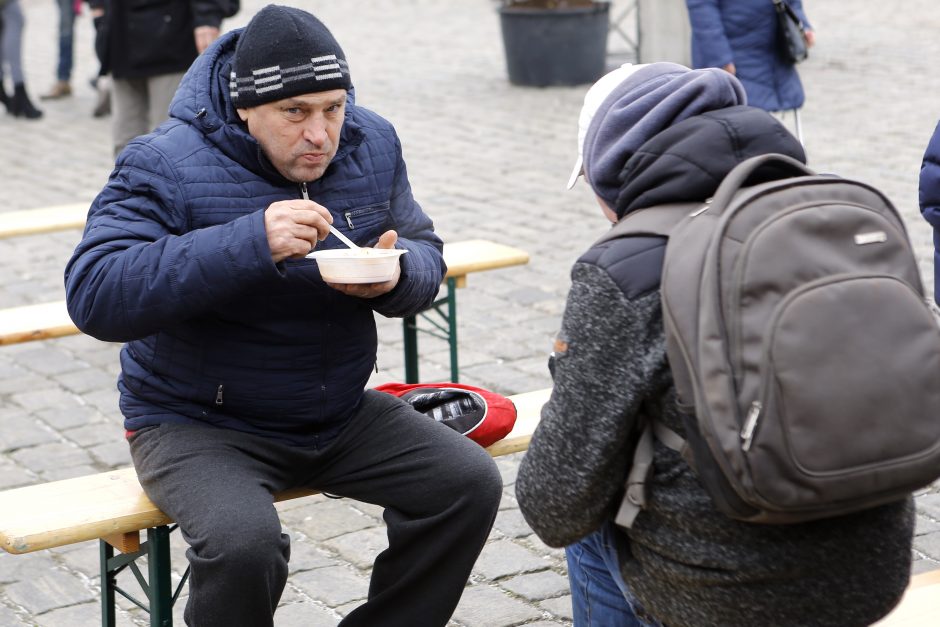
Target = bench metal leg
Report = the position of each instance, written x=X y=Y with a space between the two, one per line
x=157 y=587
x=448 y=331
x=452 y=328
x=410 y=330
x=158 y=561
x=108 y=618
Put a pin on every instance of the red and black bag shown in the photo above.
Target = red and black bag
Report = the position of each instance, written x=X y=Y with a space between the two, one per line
x=483 y=416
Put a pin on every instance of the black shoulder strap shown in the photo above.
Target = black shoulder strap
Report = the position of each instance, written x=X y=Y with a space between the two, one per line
x=657 y=220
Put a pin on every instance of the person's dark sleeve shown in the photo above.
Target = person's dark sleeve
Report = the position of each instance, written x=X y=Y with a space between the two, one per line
x=929 y=187
x=798 y=8
x=209 y=12
x=571 y=476
x=708 y=33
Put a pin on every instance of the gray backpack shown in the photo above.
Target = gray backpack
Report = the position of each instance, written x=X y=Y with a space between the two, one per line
x=805 y=356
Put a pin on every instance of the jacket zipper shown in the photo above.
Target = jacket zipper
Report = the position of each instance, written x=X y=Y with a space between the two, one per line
x=347 y=215
x=218 y=395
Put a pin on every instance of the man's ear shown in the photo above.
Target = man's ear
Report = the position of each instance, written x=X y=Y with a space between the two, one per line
x=243 y=114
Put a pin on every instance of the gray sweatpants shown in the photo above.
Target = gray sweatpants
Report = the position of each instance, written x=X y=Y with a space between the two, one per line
x=140 y=105
x=439 y=489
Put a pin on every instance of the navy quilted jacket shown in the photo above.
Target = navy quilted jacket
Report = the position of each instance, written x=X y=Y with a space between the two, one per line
x=174 y=261
x=744 y=32
x=930 y=201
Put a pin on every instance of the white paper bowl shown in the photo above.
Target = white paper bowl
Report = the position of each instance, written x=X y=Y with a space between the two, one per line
x=365 y=265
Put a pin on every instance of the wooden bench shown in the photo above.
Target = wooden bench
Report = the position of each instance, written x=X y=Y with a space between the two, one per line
x=920 y=606
x=43 y=220
x=50 y=320
x=111 y=507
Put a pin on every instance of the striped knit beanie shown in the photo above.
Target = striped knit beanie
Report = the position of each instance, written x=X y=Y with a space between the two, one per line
x=285 y=52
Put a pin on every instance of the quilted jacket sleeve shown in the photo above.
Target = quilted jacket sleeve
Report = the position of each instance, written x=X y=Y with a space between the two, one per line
x=929 y=197
x=139 y=267
x=708 y=34
x=422 y=268
x=929 y=190
x=575 y=467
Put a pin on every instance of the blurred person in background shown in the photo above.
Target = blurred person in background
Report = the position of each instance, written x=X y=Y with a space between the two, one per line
x=740 y=37
x=929 y=198
x=149 y=46
x=11 y=60
x=62 y=88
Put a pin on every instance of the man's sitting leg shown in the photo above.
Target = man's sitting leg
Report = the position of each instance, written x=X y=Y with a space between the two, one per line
x=217 y=484
x=441 y=492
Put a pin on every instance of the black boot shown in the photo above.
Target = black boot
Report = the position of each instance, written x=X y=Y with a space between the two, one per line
x=4 y=98
x=21 y=105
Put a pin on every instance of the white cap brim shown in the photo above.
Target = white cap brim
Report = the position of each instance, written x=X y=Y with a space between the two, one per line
x=578 y=171
x=592 y=101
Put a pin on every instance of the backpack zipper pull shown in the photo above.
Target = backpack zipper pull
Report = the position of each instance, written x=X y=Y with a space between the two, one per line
x=702 y=209
x=747 y=433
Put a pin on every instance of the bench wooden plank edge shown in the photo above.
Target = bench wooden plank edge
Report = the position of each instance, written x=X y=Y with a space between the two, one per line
x=43 y=220
x=50 y=320
x=35 y=322
x=461 y=257
x=110 y=504
x=920 y=605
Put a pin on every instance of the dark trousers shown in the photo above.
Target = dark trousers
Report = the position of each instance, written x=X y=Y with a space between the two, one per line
x=439 y=489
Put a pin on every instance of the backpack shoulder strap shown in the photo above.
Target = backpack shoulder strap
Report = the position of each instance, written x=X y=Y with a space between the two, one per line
x=656 y=220
x=634 y=496
x=770 y=166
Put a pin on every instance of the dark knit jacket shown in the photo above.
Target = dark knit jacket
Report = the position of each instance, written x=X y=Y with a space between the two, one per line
x=145 y=38
x=688 y=564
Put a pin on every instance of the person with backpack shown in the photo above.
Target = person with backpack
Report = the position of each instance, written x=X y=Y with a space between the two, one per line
x=658 y=135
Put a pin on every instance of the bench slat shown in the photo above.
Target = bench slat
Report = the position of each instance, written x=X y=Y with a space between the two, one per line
x=43 y=220
x=35 y=322
x=920 y=605
x=477 y=255
x=64 y=512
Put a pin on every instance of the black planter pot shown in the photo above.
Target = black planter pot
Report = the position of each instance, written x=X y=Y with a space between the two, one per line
x=555 y=46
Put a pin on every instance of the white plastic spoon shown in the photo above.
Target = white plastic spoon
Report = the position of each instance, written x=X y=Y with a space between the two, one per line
x=343 y=238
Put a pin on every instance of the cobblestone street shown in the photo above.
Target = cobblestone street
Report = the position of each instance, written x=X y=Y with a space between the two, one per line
x=486 y=159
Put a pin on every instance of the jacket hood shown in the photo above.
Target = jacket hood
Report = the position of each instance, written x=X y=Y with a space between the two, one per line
x=687 y=161
x=203 y=102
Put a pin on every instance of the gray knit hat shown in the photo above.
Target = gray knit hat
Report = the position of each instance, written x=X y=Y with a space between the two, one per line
x=285 y=52
x=648 y=99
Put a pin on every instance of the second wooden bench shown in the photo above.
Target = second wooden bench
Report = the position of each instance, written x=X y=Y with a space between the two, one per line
x=51 y=320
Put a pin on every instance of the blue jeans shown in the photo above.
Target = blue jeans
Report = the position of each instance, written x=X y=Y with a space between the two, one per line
x=66 y=36
x=599 y=595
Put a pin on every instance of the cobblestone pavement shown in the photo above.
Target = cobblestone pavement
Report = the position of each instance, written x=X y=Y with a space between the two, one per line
x=486 y=159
